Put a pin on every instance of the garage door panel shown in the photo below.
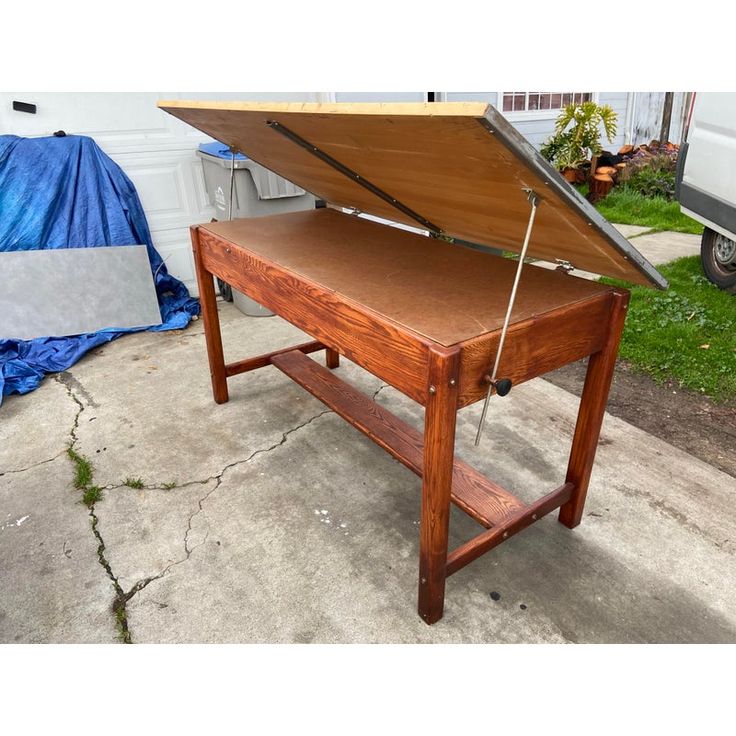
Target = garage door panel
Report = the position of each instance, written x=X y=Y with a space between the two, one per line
x=174 y=246
x=168 y=188
x=204 y=209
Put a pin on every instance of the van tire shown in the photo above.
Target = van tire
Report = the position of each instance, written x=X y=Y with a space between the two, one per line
x=721 y=273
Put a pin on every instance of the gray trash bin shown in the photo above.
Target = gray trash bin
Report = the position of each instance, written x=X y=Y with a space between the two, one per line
x=256 y=192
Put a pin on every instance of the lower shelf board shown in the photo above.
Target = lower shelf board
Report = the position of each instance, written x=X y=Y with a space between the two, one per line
x=486 y=502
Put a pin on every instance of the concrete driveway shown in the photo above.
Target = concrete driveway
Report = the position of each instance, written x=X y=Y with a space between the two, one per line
x=269 y=519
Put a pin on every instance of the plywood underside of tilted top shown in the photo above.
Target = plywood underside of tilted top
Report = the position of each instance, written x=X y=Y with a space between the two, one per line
x=460 y=166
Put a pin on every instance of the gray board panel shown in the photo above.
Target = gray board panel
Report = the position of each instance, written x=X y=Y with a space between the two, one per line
x=71 y=291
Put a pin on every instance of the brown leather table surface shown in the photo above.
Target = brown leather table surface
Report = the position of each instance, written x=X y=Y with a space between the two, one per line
x=445 y=292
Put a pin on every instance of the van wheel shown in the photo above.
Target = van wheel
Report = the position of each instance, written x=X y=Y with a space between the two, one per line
x=718 y=256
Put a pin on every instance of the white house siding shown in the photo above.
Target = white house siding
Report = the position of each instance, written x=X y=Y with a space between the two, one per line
x=536 y=127
x=647 y=116
x=380 y=96
x=619 y=102
x=490 y=97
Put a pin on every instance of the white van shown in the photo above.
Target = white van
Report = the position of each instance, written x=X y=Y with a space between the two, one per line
x=706 y=182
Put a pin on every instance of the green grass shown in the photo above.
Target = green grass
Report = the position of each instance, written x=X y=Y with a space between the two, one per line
x=687 y=333
x=627 y=207
x=91 y=495
x=82 y=469
x=121 y=621
x=168 y=486
x=133 y=482
x=83 y=472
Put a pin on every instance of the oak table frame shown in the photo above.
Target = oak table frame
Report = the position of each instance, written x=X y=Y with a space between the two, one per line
x=443 y=379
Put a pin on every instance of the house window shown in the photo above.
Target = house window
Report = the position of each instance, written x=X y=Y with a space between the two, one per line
x=530 y=101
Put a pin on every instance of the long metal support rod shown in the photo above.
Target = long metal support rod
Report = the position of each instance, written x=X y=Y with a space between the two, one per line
x=354 y=175
x=534 y=199
x=232 y=185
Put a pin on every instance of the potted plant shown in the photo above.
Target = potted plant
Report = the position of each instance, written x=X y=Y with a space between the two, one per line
x=567 y=161
x=577 y=136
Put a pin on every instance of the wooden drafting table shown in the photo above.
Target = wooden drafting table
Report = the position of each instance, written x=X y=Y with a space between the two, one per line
x=424 y=314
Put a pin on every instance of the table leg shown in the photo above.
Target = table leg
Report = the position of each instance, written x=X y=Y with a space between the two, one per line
x=590 y=415
x=212 y=334
x=440 y=416
x=332 y=358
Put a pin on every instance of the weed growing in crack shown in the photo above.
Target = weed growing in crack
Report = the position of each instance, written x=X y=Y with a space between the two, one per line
x=91 y=495
x=83 y=474
x=133 y=482
x=121 y=621
x=168 y=486
x=83 y=469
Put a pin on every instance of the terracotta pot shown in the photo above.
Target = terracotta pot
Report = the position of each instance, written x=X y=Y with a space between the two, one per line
x=570 y=174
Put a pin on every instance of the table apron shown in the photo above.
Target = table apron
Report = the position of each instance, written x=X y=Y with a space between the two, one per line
x=535 y=346
x=398 y=357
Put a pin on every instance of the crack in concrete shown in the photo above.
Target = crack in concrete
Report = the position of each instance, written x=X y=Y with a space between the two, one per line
x=33 y=465
x=70 y=393
x=156 y=486
x=651 y=231
x=122 y=597
x=378 y=390
x=218 y=477
x=119 y=604
x=677 y=516
x=70 y=381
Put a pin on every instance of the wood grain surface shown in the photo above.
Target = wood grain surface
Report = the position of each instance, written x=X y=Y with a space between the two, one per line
x=447 y=293
x=592 y=410
x=535 y=346
x=212 y=334
x=382 y=347
x=440 y=416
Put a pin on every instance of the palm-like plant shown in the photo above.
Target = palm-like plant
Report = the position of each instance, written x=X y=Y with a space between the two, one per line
x=578 y=133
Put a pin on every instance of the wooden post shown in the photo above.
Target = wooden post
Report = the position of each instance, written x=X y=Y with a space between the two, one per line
x=590 y=414
x=212 y=335
x=440 y=415
x=664 y=133
x=332 y=358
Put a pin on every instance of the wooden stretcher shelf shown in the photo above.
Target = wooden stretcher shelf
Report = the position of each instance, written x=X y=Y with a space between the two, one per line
x=486 y=502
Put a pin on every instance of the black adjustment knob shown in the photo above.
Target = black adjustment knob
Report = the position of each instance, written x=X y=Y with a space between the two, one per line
x=503 y=386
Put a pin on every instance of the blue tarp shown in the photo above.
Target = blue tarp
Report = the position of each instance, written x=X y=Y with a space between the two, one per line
x=64 y=192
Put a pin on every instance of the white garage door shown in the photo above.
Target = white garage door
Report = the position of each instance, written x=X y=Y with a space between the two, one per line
x=154 y=149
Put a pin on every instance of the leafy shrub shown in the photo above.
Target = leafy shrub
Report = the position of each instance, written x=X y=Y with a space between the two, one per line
x=652 y=176
x=578 y=133
x=652 y=183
